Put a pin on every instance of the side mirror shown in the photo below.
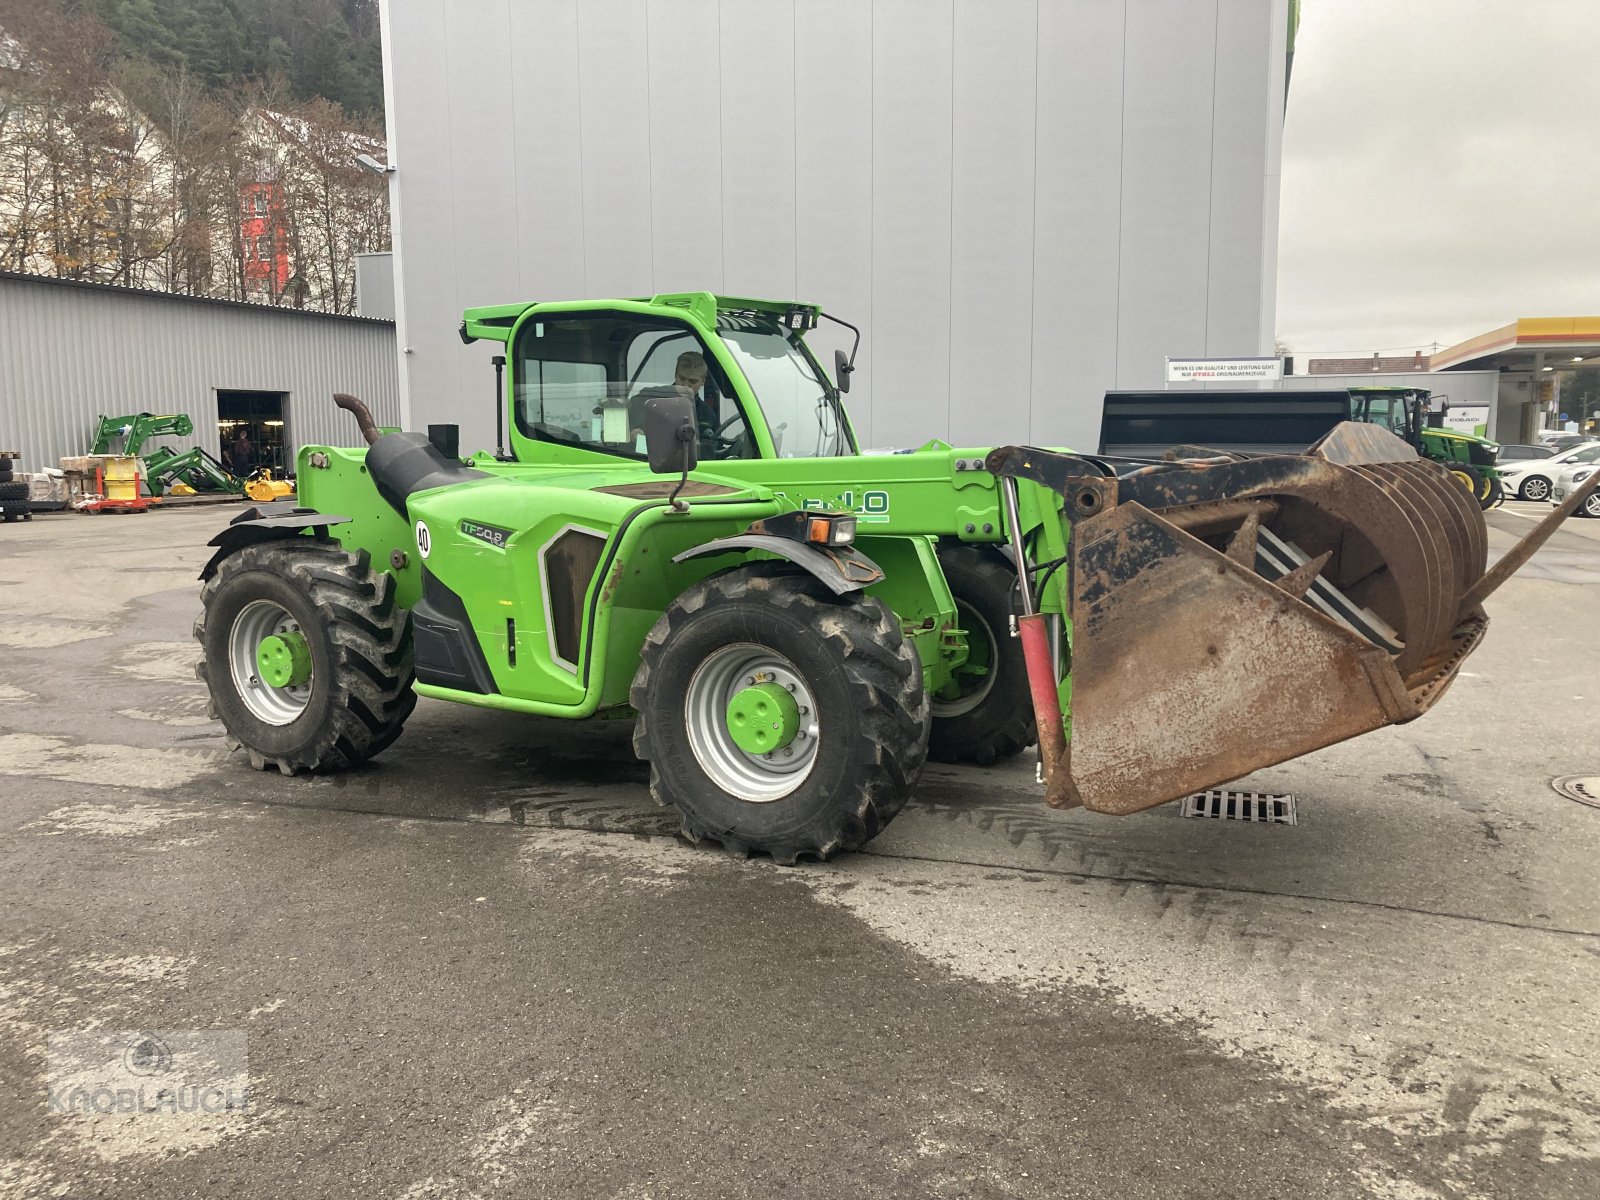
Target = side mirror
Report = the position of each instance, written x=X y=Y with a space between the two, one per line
x=841 y=370
x=671 y=438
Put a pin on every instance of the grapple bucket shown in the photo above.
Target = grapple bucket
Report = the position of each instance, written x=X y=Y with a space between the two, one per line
x=1231 y=613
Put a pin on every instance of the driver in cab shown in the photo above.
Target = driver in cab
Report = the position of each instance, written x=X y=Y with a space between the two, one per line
x=689 y=379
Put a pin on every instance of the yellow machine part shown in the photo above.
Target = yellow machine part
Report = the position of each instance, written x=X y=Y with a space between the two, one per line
x=265 y=487
x=121 y=475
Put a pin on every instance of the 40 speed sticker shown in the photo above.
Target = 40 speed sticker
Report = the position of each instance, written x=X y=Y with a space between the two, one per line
x=424 y=539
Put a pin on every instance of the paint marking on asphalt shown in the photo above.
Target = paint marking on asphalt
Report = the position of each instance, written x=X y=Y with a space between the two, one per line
x=43 y=635
x=104 y=765
x=160 y=662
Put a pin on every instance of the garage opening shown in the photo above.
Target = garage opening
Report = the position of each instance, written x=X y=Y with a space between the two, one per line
x=258 y=418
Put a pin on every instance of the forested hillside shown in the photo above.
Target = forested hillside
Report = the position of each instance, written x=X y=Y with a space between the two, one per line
x=326 y=48
x=198 y=146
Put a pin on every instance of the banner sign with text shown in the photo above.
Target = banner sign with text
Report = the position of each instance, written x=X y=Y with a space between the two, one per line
x=1224 y=370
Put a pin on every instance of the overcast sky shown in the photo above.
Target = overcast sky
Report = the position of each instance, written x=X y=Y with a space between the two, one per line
x=1440 y=172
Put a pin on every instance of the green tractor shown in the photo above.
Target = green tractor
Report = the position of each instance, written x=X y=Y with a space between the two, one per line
x=677 y=526
x=1412 y=414
x=163 y=466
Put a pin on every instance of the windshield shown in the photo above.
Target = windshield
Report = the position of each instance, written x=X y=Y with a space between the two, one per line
x=800 y=405
x=1385 y=409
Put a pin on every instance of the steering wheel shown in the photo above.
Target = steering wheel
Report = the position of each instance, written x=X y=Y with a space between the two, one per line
x=718 y=445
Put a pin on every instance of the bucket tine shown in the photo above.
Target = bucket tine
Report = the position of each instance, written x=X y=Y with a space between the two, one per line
x=1524 y=550
x=1242 y=546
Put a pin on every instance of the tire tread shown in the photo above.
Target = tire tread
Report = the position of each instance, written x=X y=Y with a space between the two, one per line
x=890 y=736
x=370 y=639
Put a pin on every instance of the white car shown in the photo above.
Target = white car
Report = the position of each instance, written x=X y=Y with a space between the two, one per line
x=1568 y=480
x=1535 y=478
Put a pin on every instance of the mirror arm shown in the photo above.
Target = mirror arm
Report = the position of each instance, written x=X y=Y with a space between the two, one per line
x=856 y=345
x=686 y=433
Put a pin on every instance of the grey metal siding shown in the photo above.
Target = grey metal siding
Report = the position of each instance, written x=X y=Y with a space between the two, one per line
x=69 y=354
x=1023 y=203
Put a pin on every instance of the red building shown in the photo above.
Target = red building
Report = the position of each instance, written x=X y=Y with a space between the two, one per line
x=264 y=238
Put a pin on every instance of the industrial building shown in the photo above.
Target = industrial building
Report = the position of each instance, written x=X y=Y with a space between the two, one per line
x=1023 y=205
x=71 y=352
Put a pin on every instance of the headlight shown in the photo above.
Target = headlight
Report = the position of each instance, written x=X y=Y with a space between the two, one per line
x=831 y=530
x=1582 y=475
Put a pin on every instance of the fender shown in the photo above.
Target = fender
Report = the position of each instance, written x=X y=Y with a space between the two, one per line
x=257 y=525
x=843 y=570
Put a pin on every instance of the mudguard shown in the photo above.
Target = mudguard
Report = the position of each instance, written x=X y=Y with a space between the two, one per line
x=256 y=525
x=842 y=570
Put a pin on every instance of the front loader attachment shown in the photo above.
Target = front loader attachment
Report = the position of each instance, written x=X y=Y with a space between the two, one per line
x=1231 y=613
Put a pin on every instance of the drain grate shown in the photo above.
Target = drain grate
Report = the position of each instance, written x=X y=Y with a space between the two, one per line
x=1585 y=789
x=1229 y=805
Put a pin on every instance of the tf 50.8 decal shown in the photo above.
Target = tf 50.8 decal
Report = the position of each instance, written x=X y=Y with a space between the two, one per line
x=870 y=508
x=492 y=534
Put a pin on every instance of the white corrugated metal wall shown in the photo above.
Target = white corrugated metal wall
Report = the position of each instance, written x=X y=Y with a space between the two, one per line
x=72 y=352
x=1022 y=202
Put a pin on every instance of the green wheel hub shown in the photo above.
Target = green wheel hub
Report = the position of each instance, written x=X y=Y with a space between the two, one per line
x=284 y=660
x=762 y=718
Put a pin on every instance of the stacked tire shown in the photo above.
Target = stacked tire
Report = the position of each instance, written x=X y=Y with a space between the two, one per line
x=13 y=493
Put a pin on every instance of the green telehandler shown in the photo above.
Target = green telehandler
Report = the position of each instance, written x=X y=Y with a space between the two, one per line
x=676 y=525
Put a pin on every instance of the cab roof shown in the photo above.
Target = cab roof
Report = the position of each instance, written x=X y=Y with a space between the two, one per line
x=494 y=322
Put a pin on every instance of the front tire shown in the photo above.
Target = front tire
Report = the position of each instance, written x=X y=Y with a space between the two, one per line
x=347 y=691
x=1535 y=488
x=857 y=731
x=990 y=716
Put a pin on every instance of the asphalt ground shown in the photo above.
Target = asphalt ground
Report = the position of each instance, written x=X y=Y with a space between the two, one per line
x=484 y=966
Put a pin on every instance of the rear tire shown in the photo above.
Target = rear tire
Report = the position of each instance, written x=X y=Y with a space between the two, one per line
x=867 y=720
x=1535 y=488
x=358 y=694
x=993 y=717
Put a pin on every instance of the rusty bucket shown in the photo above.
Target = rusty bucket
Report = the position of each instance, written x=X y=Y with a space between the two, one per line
x=1231 y=613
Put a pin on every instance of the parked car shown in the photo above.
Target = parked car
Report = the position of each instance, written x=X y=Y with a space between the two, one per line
x=1569 y=479
x=1533 y=479
x=1567 y=441
x=1517 y=453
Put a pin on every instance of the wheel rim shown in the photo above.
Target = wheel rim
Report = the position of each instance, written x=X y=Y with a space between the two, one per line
x=1466 y=481
x=1592 y=504
x=981 y=652
x=1535 y=489
x=257 y=622
x=719 y=679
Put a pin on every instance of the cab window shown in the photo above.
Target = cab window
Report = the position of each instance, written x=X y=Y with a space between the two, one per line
x=583 y=380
